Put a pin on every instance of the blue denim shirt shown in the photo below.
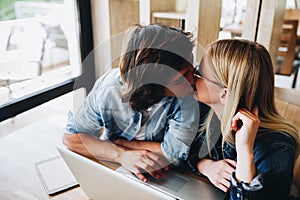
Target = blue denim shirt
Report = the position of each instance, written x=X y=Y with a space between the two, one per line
x=274 y=157
x=174 y=121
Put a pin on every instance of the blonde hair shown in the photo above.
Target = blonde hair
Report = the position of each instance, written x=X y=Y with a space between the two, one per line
x=245 y=69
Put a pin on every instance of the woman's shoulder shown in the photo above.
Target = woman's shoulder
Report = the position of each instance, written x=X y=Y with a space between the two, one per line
x=272 y=136
x=272 y=140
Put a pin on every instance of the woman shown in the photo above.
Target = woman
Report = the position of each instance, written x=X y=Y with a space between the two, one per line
x=249 y=148
x=144 y=110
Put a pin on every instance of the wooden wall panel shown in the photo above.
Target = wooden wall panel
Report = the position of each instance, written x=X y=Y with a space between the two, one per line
x=123 y=14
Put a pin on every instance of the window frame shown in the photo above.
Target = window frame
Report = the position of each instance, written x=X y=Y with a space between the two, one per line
x=17 y=106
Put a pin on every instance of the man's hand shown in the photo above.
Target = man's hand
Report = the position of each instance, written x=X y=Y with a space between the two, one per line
x=143 y=156
x=141 y=161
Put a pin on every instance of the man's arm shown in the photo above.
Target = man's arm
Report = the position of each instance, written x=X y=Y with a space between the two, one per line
x=136 y=144
x=152 y=146
x=92 y=147
x=134 y=160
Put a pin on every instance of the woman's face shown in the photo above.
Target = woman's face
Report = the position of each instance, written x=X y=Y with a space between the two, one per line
x=208 y=90
x=182 y=84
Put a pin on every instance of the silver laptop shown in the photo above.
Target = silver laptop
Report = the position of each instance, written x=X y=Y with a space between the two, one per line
x=100 y=182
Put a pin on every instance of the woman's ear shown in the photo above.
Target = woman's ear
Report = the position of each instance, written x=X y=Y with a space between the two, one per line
x=223 y=96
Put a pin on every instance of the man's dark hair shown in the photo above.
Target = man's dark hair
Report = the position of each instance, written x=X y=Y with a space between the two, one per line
x=152 y=55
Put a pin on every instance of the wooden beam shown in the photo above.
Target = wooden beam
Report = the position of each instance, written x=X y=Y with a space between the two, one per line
x=251 y=20
x=270 y=26
x=203 y=20
x=145 y=12
x=101 y=34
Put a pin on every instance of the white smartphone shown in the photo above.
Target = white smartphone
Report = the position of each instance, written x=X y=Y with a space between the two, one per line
x=55 y=175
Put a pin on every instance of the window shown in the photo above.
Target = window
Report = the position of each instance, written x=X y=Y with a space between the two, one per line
x=233 y=13
x=42 y=48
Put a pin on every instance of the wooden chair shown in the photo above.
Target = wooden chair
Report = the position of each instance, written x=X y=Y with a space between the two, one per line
x=287 y=51
x=288 y=104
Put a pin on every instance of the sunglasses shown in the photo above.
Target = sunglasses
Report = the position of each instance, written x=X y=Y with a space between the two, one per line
x=199 y=75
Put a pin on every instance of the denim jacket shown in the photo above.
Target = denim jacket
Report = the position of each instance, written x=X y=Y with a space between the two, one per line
x=274 y=157
x=174 y=122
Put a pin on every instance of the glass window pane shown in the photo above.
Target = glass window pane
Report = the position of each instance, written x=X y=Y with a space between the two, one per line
x=39 y=46
x=233 y=14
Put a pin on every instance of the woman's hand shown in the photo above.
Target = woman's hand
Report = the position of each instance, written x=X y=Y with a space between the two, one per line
x=246 y=124
x=218 y=172
x=244 y=141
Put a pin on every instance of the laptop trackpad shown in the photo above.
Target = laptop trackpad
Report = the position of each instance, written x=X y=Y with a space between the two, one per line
x=180 y=186
x=173 y=181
